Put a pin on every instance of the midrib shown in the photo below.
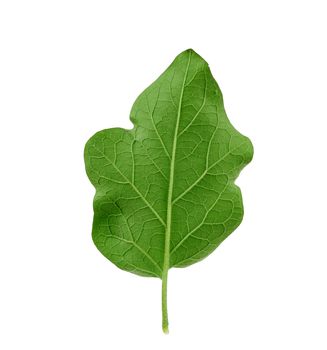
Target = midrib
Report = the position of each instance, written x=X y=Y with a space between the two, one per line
x=166 y=261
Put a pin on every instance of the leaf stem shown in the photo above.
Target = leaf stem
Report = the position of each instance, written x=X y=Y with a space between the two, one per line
x=165 y=327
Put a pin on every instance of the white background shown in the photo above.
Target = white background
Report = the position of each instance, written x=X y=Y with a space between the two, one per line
x=71 y=68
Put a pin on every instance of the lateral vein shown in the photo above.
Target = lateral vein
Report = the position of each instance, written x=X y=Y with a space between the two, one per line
x=133 y=186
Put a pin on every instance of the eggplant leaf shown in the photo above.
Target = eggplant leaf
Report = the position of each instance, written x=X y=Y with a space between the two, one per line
x=165 y=193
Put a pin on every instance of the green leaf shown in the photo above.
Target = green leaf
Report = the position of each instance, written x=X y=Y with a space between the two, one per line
x=165 y=193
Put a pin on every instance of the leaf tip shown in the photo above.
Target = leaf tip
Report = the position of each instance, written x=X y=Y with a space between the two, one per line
x=193 y=54
x=189 y=51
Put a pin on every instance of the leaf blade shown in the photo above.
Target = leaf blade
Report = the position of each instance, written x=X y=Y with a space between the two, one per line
x=165 y=191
